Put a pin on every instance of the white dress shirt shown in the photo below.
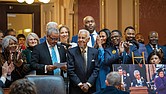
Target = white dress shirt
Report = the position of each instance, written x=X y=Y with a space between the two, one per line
x=94 y=36
x=56 y=51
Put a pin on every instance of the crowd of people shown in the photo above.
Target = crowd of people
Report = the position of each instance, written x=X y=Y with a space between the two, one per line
x=87 y=59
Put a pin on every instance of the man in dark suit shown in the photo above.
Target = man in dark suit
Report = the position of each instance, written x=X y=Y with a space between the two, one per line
x=90 y=25
x=125 y=79
x=154 y=46
x=113 y=81
x=119 y=52
x=129 y=34
x=138 y=81
x=47 y=55
x=83 y=66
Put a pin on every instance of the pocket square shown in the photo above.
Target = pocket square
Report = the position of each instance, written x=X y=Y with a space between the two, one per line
x=93 y=60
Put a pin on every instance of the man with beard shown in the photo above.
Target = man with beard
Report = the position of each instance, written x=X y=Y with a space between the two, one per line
x=129 y=33
x=119 y=52
x=154 y=46
x=83 y=66
x=90 y=25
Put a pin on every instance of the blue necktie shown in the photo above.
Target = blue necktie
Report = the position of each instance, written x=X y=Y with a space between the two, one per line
x=92 y=40
x=54 y=60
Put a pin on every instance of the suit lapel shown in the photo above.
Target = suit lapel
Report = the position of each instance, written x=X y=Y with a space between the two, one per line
x=59 y=50
x=90 y=57
x=80 y=58
x=47 y=52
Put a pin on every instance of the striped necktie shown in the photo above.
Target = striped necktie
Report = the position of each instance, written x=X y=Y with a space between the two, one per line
x=54 y=60
x=84 y=59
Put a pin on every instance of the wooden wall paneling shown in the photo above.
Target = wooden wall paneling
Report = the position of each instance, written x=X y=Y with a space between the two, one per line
x=47 y=15
x=111 y=14
x=102 y=14
x=70 y=16
x=127 y=14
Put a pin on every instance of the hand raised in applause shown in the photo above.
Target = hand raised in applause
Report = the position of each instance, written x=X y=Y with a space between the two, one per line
x=5 y=68
x=11 y=67
x=127 y=47
x=98 y=42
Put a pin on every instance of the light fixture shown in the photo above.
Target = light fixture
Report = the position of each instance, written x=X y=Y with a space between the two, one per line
x=20 y=1
x=27 y=30
x=45 y=1
x=31 y=1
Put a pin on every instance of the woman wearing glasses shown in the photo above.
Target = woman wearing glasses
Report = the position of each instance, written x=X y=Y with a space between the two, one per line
x=15 y=60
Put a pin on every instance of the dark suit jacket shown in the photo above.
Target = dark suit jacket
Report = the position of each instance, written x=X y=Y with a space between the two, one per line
x=135 y=83
x=41 y=57
x=150 y=50
x=76 y=70
x=28 y=52
x=74 y=39
x=112 y=56
x=111 y=90
x=1 y=83
x=127 y=82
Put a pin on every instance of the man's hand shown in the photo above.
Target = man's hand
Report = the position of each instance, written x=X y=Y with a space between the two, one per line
x=64 y=68
x=51 y=67
x=121 y=47
x=127 y=47
x=85 y=87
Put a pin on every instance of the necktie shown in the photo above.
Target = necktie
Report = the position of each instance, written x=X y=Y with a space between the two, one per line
x=84 y=59
x=92 y=40
x=54 y=60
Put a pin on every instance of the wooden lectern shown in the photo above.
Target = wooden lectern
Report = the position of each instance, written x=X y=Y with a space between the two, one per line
x=139 y=90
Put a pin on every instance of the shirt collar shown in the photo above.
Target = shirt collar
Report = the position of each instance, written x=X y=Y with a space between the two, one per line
x=94 y=32
x=153 y=47
x=85 y=50
x=49 y=46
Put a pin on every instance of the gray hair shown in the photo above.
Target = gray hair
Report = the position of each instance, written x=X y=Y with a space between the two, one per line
x=51 y=25
x=52 y=30
x=5 y=41
x=113 y=78
x=84 y=31
x=136 y=71
x=34 y=35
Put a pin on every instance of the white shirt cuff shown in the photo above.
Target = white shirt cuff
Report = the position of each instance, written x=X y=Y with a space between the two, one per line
x=45 y=69
x=88 y=84
x=3 y=79
x=80 y=84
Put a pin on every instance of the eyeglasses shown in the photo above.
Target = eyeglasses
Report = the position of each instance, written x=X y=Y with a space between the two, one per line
x=12 y=44
x=55 y=39
x=116 y=37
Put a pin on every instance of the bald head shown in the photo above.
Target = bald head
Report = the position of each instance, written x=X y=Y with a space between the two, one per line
x=89 y=23
x=153 y=37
